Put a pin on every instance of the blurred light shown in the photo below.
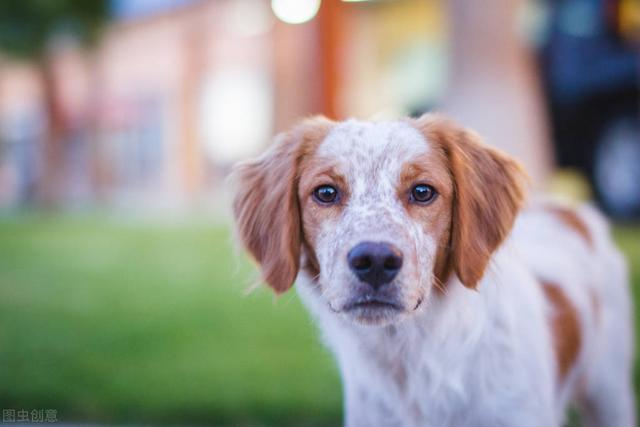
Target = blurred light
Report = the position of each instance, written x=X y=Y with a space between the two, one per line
x=236 y=113
x=248 y=18
x=295 y=11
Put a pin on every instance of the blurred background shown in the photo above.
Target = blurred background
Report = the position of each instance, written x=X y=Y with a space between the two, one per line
x=121 y=297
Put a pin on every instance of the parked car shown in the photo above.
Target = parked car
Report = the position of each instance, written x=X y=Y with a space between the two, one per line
x=591 y=72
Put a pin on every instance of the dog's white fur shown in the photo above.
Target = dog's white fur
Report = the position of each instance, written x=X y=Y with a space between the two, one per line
x=461 y=357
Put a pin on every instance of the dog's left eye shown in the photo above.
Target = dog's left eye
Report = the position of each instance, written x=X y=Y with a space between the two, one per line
x=325 y=194
x=423 y=194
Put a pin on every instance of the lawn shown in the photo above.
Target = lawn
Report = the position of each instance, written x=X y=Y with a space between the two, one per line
x=112 y=321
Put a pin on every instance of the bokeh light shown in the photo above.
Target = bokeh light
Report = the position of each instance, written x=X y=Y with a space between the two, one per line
x=295 y=11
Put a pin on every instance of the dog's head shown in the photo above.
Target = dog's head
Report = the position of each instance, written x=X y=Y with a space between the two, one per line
x=379 y=214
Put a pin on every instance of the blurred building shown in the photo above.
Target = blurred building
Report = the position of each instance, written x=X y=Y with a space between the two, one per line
x=178 y=90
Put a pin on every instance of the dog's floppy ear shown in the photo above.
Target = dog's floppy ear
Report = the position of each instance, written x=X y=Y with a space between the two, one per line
x=266 y=207
x=489 y=190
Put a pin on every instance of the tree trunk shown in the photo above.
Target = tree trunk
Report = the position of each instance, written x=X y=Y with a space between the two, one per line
x=49 y=191
x=494 y=86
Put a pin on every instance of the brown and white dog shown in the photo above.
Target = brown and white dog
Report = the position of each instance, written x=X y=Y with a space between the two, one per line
x=445 y=302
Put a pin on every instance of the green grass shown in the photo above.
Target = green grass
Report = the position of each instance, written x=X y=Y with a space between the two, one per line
x=628 y=239
x=108 y=321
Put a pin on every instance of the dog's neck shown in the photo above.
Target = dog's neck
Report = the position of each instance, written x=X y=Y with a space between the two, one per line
x=396 y=368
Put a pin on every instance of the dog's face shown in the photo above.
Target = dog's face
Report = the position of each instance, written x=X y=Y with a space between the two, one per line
x=379 y=213
x=375 y=202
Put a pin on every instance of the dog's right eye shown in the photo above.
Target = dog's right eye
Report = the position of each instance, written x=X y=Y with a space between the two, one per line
x=325 y=194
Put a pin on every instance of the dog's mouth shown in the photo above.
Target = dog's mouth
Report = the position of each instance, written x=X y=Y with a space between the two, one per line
x=370 y=309
x=372 y=303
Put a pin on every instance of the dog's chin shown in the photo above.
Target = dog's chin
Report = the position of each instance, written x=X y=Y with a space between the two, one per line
x=374 y=311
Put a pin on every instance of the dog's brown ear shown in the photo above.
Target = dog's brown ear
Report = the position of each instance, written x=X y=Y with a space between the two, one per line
x=266 y=207
x=489 y=190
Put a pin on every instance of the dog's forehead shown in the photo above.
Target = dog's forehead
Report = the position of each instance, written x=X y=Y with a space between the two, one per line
x=368 y=143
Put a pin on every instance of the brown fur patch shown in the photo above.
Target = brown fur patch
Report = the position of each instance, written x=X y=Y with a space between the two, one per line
x=266 y=205
x=565 y=328
x=488 y=191
x=571 y=219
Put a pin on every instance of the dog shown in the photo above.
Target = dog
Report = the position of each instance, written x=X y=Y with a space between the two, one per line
x=446 y=299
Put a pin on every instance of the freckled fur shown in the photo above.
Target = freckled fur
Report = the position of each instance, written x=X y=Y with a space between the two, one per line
x=479 y=349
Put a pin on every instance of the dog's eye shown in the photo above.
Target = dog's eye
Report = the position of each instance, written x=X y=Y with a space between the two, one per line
x=326 y=194
x=423 y=194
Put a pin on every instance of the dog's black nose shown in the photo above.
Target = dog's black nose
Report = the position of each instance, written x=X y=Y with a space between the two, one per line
x=375 y=263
